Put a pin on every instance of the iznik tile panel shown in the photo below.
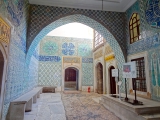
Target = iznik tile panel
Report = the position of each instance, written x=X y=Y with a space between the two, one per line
x=68 y=48
x=50 y=73
x=15 y=12
x=87 y=60
x=65 y=46
x=50 y=67
x=114 y=21
x=150 y=37
x=87 y=74
x=153 y=13
x=117 y=49
x=154 y=64
x=49 y=58
x=50 y=47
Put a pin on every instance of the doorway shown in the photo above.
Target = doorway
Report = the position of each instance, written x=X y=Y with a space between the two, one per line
x=1 y=70
x=112 y=82
x=71 y=79
x=2 y=63
x=99 y=78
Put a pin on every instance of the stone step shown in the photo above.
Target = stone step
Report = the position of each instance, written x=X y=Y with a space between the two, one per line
x=148 y=110
x=97 y=99
x=71 y=92
x=151 y=116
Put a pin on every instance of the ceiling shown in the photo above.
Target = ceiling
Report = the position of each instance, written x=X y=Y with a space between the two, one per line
x=108 y=5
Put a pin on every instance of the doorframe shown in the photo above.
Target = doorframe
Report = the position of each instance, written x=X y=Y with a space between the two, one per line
x=79 y=76
x=95 y=75
x=109 y=88
x=76 y=76
x=4 y=76
x=110 y=80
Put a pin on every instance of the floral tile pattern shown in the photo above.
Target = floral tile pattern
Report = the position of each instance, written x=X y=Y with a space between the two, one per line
x=83 y=107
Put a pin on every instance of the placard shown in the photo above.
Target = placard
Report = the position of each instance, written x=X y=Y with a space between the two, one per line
x=129 y=70
x=119 y=83
x=114 y=72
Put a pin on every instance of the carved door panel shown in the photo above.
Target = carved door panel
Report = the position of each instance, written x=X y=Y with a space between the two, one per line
x=99 y=79
x=70 y=74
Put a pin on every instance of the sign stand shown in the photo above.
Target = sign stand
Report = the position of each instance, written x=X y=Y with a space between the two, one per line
x=119 y=84
x=129 y=71
x=126 y=90
x=135 y=87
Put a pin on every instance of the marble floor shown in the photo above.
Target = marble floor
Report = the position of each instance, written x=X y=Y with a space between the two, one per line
x=48 y=107
x=61 y=106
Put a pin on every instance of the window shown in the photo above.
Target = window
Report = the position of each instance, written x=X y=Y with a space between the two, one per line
x=98 y=39
x=141 y=77
x=134 y=27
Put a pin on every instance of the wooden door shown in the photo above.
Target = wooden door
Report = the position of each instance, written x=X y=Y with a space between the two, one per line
x=99 y=78
x=112 y=82
x=70 y=74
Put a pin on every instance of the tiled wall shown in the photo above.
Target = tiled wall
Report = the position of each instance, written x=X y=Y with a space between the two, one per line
x=44 y=15
x=120 y=57
x=18 y=79
x=150 y=39
x=50 y=59
x=109 y=24
x=150 y=35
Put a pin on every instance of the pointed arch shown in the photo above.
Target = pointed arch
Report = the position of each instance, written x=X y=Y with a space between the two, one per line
x=120 y=57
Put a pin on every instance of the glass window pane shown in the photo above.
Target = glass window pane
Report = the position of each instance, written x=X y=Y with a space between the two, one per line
x=135 y=32
x=134 y=28
x=98 y=39
x=134 y=15
x=131 y=34
x=134 y=20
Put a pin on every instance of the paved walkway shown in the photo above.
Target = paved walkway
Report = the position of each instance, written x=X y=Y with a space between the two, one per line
x=48 y=107
x=60 y=106
x=82 y=106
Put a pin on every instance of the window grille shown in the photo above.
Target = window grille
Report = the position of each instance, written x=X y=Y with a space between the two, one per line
x=141 y=77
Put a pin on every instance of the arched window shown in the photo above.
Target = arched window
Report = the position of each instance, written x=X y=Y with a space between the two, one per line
x=134 y=27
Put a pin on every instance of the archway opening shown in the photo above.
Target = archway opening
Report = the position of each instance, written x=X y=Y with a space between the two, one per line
x=1 y=80
x=1 y=70
x=83 y=20
x=112 y=82
x=71 y=79
x=99 y=78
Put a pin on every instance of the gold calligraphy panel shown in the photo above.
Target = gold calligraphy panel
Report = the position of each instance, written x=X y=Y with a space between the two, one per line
x=5 y=31
x=71 y=60
x=110 y=57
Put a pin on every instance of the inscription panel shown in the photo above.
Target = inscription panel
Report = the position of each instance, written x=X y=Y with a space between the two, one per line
x=5 y=31
x=71 y=59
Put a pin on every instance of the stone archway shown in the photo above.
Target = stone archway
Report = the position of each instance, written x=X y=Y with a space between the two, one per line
x=99 y=77
x=78 y=75
x=3 y=70
x=71 y=78
x=112 y=81
x=84 y=20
